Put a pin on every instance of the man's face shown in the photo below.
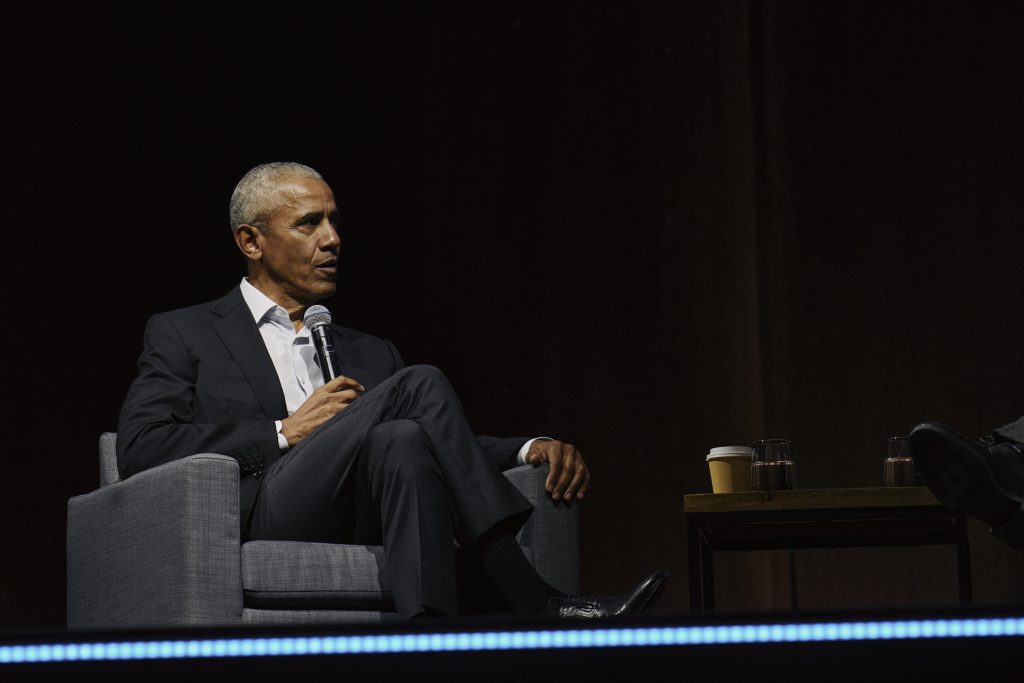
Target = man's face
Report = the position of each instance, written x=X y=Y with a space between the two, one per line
x=300 y=245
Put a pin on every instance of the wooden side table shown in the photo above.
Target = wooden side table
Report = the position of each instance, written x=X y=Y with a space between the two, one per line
x=816 y=518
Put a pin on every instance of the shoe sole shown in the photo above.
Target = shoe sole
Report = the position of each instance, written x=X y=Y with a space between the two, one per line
x=958 y=474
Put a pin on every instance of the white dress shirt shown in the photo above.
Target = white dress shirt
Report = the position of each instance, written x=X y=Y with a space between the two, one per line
x=291 y=351
x=294 y=356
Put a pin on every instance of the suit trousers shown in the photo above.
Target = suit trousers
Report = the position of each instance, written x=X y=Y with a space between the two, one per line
x=399 y=466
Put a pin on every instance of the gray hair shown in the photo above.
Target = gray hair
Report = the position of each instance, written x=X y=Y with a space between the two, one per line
x=256 y=194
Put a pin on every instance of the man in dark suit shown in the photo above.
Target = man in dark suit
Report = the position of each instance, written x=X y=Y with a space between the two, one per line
x=380 y=454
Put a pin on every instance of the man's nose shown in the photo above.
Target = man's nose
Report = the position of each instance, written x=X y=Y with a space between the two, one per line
x=330 y=239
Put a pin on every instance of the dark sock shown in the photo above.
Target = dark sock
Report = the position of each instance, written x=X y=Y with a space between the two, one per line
x=513 y=575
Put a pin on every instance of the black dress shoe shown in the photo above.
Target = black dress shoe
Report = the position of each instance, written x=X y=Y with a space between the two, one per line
x=637 y=600
x=982 y=480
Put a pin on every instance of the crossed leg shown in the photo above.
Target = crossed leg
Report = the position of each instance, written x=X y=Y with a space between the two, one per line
x=400 y=466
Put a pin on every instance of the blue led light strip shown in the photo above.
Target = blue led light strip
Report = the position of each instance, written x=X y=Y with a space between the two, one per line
x=513 y=640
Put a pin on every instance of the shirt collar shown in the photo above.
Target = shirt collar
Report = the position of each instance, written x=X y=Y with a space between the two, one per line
x=262 y=307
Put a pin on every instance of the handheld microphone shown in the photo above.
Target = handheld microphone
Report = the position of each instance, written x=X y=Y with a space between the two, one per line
x=318 y=321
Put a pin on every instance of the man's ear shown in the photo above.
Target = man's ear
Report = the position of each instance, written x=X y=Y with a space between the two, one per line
x=247 y=239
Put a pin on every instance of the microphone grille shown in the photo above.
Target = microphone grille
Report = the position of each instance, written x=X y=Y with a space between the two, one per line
x=316 y=315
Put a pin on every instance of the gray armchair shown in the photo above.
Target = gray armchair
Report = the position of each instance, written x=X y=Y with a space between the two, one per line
x=162 y=548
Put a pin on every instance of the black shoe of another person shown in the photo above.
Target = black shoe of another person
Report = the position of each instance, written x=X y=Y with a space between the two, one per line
x=970 y=476
x=642 y=597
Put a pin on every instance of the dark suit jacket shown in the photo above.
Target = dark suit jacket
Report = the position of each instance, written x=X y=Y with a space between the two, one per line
x=206 y=384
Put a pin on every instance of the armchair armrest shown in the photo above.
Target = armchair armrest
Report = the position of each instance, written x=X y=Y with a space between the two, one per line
x=158 y=549
x=551 y=532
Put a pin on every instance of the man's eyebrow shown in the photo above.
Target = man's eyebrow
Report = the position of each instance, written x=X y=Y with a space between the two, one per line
x=313 y=217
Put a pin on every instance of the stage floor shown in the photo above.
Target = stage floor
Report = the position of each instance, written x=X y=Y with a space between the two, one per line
x=985 y=644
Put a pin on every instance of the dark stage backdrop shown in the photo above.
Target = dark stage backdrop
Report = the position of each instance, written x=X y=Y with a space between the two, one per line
x=647 y=228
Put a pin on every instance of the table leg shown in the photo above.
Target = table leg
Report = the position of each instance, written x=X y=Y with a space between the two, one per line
x=693 y=550
x=963 y=560
x=707 y=572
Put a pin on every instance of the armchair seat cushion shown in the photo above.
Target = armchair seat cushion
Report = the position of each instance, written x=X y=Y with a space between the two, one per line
x=297 y=575
x=288 y=575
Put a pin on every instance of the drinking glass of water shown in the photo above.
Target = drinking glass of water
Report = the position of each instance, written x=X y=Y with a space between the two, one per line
x=771 y=466
x=899 y=465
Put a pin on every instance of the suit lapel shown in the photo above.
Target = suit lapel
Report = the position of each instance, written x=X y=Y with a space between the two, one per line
x=233 y=323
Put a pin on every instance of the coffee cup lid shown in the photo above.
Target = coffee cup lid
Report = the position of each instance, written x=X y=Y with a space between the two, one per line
x=729 y=452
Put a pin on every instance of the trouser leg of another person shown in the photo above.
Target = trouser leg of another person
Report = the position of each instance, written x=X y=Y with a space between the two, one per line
x=980 y=478
x=1013 y=432
x=314 y=491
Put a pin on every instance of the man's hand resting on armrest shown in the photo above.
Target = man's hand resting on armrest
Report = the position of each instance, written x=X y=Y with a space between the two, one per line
x=568 y=476
x=322 y=405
